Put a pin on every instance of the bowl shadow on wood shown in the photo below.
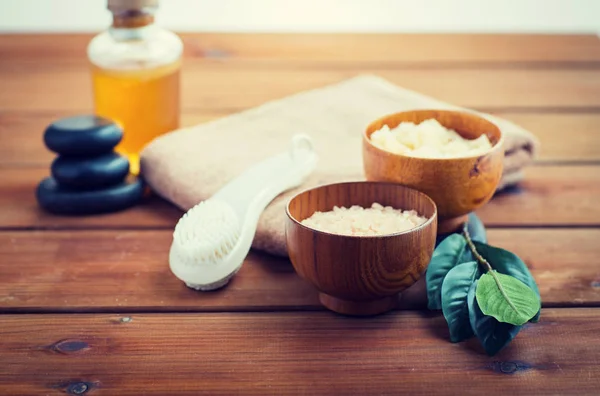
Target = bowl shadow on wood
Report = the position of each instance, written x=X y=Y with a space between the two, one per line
x=360 y=275
x=458 y=186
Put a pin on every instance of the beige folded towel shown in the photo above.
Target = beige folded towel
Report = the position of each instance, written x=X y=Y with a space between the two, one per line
x=191 y=164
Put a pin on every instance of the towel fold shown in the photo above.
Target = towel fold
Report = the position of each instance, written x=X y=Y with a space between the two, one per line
x=191 y=164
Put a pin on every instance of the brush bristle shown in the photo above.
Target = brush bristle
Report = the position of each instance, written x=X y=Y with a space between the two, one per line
x=206 y=233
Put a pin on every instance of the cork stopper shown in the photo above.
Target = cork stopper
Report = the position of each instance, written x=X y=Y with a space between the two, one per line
x=127 y=5
x=132 y=13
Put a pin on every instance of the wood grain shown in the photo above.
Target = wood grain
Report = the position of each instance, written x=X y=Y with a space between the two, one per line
x=548 y=83
x=360 y=275
x=108 y=271
x=495 y=50
x=19 y=208
x=552 y=256
x=563 y=137
x=91 y=271
x=21 y=134
x=565 y=194
x=218 y=85
x=549 y=196
x=291 y=354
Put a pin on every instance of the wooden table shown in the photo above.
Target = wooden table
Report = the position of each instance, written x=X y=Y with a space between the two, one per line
x=89 y=305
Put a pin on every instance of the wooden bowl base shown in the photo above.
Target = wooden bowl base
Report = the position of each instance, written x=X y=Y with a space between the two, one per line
x=450 y=225
x=358 y=308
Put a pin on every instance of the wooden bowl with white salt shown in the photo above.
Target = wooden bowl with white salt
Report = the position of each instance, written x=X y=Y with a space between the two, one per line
x=460 y=174
x=361 y=243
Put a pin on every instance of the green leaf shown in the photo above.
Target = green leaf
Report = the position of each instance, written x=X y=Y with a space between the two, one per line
x=493 y=335
x=506 y=298
x=455 y=287
x=509 y=263
x=446 y=256
x=476 y=228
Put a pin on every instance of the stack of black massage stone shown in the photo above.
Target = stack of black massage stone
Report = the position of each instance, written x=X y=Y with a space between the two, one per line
x=88 y=177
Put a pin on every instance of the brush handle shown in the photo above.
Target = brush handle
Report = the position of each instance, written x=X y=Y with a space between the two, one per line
x=249 y=193
x=247 y=196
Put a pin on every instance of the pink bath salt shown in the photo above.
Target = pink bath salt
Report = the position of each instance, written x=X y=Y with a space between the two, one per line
x=359 y=221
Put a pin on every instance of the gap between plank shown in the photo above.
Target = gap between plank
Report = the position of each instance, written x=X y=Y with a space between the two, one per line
x=540 y=162
x=225 y=111
x=327 y=65
x=99 y=228
x=240 y=310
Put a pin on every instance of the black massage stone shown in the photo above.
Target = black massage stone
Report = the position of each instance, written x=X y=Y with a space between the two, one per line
x=90 y=172
x=85 y=135
x=67 y=201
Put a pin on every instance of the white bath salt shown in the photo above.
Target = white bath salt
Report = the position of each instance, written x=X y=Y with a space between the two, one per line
x=359 y=221
x=429 y=139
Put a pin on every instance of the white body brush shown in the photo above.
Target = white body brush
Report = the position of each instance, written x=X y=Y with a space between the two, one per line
x=212 y=239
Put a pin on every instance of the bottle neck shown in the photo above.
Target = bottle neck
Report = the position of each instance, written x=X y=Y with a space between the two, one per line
x=132 y=24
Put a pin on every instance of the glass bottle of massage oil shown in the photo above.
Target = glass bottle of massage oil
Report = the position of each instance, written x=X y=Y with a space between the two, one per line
x=136 y=75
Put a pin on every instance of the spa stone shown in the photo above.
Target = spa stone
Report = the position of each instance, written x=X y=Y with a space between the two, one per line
x=91 y=172
x=83 y=135
x=66 y=201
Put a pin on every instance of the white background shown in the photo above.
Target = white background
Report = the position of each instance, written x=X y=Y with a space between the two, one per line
x=540 y=16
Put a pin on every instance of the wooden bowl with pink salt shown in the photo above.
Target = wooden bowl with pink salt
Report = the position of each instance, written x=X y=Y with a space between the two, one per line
x=361 y=243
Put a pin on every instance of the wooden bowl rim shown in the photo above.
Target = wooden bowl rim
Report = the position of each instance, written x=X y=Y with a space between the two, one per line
x=364 y=183
x=499 y=145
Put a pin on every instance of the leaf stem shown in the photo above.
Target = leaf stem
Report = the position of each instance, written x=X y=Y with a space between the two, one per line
x=487 y=265
x=478 y=256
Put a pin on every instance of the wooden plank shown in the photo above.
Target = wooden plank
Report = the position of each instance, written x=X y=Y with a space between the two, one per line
x=563 y=137
x=291 y=354
x=127 y=270
x=22 y=143
x=419 y=48
x=553 y=261
x=21 y=134
x=219 y=85
x=549 y=196
x=107 y=271
x=338 y=48
x=19 y=208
